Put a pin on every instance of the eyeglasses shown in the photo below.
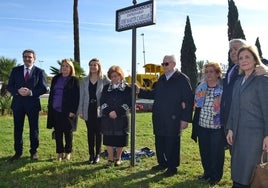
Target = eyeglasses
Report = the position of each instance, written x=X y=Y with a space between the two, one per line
x=165 y=64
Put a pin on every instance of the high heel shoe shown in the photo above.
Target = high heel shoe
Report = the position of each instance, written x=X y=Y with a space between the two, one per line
x=68 y=156
x=91 y=159
x=96 y=159
x=59 y=156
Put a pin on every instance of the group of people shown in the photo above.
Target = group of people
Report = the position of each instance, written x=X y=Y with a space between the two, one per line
x=231 y=113
x=228 y=112
x=96 y=97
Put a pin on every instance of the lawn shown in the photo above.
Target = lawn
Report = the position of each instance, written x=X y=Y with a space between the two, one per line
x=48 y=172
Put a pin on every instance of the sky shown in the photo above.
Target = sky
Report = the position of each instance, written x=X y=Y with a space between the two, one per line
x=46 y=26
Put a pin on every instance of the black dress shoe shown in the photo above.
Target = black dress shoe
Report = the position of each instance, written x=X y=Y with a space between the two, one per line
x=213 y=182
x=14 y=157
x=158 y=168
x=97 y=159
x=91 y=159
x=170 y=172
x=34 y=157
x=203 y=177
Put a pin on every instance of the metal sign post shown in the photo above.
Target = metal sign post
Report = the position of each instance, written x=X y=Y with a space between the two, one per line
x=138 y=15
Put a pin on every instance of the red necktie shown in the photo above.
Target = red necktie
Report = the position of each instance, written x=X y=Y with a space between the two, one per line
x=27 y=75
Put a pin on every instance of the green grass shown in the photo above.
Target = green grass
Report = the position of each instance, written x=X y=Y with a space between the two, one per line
x=48 y=172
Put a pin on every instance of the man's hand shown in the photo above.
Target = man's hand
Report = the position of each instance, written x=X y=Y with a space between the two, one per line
x=24 y=91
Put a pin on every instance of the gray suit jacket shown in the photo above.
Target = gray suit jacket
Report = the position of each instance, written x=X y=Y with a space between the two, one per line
x=248 y=120
x=84 y=95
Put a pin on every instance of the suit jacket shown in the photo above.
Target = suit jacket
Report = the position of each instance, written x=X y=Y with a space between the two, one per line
x=70 y=100
x=84 y=95
x=226 y=99
x=168 y=96
x=248 y=120
x=36 y=83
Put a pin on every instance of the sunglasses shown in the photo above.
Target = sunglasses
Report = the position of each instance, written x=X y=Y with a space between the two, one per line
x=165 y=64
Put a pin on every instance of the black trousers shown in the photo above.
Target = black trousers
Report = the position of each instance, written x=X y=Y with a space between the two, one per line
x=168 y=151
x=63 y=128
x=94 y=136
x=212 y=152
x=19 y=117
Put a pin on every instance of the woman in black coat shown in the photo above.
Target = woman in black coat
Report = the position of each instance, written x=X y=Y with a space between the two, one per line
x=115 y=104
x=63 y=103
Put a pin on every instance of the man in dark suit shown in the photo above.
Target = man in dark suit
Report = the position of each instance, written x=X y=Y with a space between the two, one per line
x=26 y=83
x=172 y=110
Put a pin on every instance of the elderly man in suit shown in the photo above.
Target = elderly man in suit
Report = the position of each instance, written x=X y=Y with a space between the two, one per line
x=26 y=83
x=172 y=110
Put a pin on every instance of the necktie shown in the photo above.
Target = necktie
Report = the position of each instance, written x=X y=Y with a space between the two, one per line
x=27 y=75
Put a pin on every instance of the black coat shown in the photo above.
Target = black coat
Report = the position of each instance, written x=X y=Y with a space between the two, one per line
x=227 y=96
x=70 y=100
x=168 y=97
x=118 y=100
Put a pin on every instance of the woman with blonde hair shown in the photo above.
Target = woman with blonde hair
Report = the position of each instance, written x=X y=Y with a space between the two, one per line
x=63 y=103
x=247 y=124
x=89 y=107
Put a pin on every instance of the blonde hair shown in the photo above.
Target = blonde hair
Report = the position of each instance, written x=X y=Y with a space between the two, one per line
x=116 y=69
x=97 y=61
x=254 y=51
x=215 y=66
x=70 y=63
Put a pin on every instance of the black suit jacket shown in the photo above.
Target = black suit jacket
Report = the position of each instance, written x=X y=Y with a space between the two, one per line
x=70 y=100
x=36 y=83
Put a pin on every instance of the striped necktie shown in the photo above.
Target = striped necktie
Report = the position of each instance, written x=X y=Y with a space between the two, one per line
x=27 y=75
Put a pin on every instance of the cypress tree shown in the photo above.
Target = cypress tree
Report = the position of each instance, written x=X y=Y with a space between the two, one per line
x=188 y=57
x=258 y=45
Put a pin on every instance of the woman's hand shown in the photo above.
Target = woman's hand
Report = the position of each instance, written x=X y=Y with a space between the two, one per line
x=113 y=115
x=71 y=115
x=229 y=137
x=265 y=144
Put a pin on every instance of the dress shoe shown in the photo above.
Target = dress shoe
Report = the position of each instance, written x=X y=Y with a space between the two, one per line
x=14 y=157
x=109 y=164
x=213 y=182
x=158 y=168
x=96 y=159
x=91 y=159
x=59 y=156
x=203 y=177
x=67 y=156
x=170 y=172
x=34 y=157
x=117 y=162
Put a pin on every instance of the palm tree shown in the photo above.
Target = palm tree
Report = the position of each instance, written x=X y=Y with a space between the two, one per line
x=76 y=33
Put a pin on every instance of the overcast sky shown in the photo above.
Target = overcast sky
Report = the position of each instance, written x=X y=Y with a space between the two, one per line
x=46 y=26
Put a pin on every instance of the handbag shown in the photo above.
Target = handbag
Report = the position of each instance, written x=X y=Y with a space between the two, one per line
x=259 y=177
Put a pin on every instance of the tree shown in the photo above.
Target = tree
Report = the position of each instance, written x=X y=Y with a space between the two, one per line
x=200 y=67
x=6 y=66
x=238 y=32
x=234 y=26
x=76 y=33
x=258 y=45
x=232 y=18
x=188 y=57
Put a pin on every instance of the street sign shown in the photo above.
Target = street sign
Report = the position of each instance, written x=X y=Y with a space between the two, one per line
x=139 y=15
